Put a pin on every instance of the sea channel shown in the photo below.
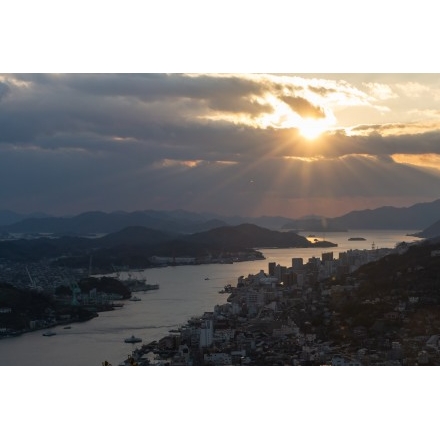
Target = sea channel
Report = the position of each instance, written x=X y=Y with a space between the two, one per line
x=185 y=291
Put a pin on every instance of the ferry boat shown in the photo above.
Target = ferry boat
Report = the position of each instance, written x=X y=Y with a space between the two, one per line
x=132 y=339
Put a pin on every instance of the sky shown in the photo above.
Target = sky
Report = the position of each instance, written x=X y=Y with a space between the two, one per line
x=229 y=143
x=262 y=140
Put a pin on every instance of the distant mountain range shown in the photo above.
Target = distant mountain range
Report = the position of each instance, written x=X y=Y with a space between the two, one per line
x=10 y=217
x=104 y=223
x=416 y=217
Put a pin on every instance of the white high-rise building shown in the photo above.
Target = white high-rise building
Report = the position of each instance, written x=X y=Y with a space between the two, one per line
x=206 y=333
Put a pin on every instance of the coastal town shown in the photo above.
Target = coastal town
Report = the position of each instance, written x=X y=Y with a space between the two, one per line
x=325 y=311
x=358 y=307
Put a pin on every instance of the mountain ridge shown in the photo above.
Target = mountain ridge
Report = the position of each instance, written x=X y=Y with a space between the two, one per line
x=416 y=217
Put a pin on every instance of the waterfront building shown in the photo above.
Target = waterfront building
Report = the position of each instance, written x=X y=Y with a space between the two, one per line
x=327 y=256
x=297 y=263
x=206 y=333
x=279 y=272
x=261 y=279
x=271 y=269
x=289 y=279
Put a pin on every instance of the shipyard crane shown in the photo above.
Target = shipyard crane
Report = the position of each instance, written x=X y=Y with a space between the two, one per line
x=75 y=292
x=33 y=285
x=75 y=289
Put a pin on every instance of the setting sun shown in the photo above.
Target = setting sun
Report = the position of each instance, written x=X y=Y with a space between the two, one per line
x=311 y=128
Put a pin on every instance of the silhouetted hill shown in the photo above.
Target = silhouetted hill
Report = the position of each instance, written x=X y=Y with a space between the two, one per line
x=24 y=250
x=269 y=222
x=430 y=232
x=249 y=236
x=135 y=236
x=418 y=216
x=134 y=246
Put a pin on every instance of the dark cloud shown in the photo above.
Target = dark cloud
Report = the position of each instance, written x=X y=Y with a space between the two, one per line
x=120 y=105
x=70 y=143
x=303 y=107
x=379 y=127
x=338 y=144
x=4 y=90
x=365 y=127
x=323 y=91
x=221 y=93
x=69 y=181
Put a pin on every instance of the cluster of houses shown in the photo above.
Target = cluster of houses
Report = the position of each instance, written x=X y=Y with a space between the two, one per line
x=286 y=317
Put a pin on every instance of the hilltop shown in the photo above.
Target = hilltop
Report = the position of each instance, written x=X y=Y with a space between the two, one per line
x=430 y=232
x=135 y=246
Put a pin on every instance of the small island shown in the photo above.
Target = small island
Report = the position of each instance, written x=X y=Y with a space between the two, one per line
x=357 y=239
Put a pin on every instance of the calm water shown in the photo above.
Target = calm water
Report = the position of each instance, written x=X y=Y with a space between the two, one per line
x=184 y=292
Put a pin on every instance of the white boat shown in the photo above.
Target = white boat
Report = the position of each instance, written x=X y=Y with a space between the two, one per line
x=133 y=339
x=49 y=333
x=134 y=298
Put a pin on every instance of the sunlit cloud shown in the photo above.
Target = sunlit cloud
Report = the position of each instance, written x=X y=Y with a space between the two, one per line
x=304 y=159
x=380 y=91
x=123 y=139
x=15 y=81
x=170 y=163
x=412 y=89
x=424 y=114
x=395 y=129
x=421 y=160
